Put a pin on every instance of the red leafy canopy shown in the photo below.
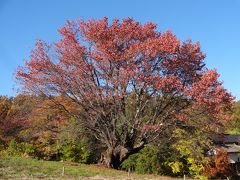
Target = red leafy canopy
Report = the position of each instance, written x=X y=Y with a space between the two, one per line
x=98 y=65
x=14 y=115
x=219 y=165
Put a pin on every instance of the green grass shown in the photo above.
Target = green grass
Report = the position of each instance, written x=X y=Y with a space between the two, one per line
x=27 y=168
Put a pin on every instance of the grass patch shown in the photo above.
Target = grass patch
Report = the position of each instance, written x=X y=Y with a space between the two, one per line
x=26 y=168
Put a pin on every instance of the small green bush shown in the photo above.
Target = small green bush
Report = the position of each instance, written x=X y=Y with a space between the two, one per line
x=146 y=161
x=76 y=151
x=22 y=149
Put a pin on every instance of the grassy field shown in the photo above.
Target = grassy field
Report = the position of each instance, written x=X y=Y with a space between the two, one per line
x=26 y=168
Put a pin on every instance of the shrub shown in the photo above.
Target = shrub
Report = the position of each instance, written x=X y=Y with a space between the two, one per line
x=20 y=149
x=184 y=155
x=219 y=166
x=146 y=161
x=77 y=151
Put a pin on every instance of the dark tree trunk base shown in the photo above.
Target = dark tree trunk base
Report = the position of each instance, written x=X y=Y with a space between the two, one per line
x=113 y=157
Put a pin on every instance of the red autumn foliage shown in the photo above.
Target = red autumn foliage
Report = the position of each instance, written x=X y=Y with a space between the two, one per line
x=14 y=114
x=124 y=76
x=219 y=165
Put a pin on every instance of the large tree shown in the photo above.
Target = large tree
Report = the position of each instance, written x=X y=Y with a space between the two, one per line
x=130 y=82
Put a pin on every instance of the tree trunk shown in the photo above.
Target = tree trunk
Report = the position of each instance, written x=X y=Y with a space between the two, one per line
x=113 y=157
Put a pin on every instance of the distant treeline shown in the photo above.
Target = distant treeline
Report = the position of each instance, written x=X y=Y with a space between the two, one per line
x=37 y=127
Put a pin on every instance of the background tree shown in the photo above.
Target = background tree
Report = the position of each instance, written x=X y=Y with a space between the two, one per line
x=190 y=148
x=5 y=105
x=57 y=135
x=219 y=166
x=130 y=82
x=181 y=153
x=14 y=113
x=234 y=126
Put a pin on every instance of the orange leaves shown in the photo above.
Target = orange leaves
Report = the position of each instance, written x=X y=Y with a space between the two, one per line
x=100 y=31
x=209 y=93
x=149 y=127
x=170 y=84
x=164 y=45
x=219 y=165
x=114 y=41
x=14 y=116
x=69 y=48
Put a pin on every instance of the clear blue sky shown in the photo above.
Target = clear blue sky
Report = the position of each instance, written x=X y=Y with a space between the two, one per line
x=214 y=23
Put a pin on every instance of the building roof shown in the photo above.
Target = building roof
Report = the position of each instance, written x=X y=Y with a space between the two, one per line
x=226 y=139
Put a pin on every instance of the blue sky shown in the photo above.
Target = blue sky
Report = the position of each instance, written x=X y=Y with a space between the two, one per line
x=214 y=23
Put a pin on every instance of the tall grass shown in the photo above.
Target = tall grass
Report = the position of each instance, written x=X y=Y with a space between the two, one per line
x=27 y=168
